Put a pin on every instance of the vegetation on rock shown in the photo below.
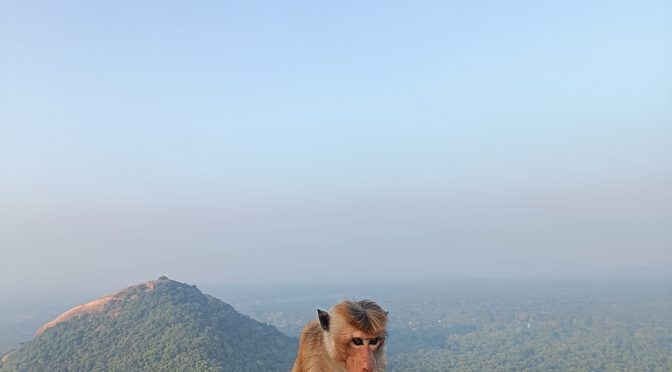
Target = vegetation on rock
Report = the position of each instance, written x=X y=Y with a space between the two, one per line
x=159 y=326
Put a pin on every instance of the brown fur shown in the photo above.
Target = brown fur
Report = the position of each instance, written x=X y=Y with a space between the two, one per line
x=328 y=344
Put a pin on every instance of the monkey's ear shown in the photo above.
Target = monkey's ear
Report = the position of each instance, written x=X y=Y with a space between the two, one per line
x=323 y=316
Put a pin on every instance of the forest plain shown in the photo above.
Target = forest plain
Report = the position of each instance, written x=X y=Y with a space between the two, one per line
x=466 y=324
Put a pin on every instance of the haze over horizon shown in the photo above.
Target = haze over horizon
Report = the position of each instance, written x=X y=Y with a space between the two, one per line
x=288 y=142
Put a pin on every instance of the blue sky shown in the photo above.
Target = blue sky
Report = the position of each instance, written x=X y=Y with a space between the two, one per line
x=250 y=141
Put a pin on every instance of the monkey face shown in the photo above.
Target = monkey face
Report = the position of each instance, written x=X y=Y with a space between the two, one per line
x=353 y=334
x=362 y=352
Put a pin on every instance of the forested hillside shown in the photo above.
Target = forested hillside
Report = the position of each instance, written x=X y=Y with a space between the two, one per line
x=162 y=325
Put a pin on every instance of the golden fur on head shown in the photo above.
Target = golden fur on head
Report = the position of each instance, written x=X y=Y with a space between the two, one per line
x=365 y=315
x=348 y=338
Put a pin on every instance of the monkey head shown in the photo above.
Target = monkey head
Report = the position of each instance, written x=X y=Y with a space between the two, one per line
x=354 y=335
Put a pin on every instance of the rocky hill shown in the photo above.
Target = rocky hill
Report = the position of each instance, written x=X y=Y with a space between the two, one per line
x=161 y=325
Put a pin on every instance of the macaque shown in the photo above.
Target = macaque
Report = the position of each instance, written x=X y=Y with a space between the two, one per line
x=348 y=338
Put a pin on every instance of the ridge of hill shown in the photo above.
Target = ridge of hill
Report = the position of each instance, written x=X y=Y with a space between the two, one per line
x=161 y=325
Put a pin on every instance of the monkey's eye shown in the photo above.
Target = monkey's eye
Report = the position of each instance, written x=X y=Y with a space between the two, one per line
x=373 y=341
x=357 y=341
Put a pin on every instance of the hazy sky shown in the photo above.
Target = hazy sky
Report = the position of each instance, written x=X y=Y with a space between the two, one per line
x=296 y=141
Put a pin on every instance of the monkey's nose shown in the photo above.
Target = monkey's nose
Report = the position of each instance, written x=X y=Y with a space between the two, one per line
x=371 y=367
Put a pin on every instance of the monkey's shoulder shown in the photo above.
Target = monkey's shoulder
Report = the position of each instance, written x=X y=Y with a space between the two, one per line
x=312 y=332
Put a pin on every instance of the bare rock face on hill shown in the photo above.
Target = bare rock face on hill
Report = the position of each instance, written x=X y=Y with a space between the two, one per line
x=162 y=325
